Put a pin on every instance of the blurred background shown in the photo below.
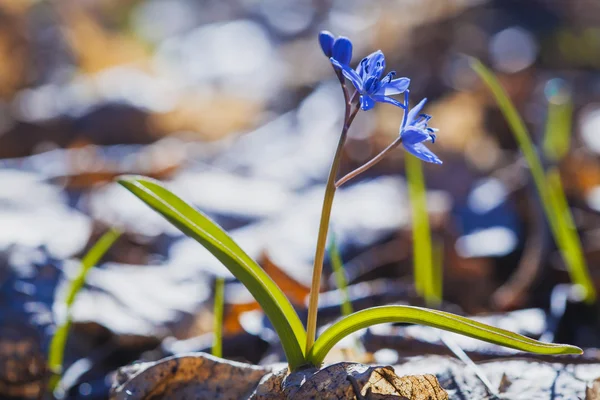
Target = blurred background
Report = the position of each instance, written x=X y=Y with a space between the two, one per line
x=233 y=104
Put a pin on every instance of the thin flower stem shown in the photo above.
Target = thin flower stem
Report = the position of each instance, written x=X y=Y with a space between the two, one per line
x=370 y=163
x=383 y=153
x=311 y=325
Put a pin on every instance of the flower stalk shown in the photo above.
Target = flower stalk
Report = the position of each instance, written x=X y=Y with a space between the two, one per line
x=369 y=89
x=330 y=188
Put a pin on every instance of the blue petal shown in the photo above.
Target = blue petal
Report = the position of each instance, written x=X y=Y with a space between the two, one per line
x=342 y=50
x=371 y=64
x=370 y=85
x=385 y=99
x=415 y=111
x=411 y=136
x=326 y=40
x=420 y=151
x=394 y=87
x=366 y=103
x=349 y=73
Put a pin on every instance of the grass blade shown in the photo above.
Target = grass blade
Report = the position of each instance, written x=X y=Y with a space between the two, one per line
x=59 y=340
x=193 y=223
x=557 y=138
x=217 y=349
x=558 y=215
x=437 y=319
x=426 y=278
x=340 y=277
x=568 y=243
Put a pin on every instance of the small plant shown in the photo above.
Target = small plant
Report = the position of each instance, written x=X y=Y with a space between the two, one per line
x=299 y=346
x=549 y=187
x=56 y=352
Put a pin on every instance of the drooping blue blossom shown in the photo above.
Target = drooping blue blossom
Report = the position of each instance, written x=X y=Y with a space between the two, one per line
x=414 y=132
x=367 y=80
x=340 y=48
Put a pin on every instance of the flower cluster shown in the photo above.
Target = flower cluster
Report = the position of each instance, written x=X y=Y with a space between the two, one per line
x=371 y=88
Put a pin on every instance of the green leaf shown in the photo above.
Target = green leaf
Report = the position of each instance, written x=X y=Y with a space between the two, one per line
x=210 y=235
x=426 y=276
x=57 y=345
x=434 y=318
x=568 y=240
x=556 y=210
x=217 y=349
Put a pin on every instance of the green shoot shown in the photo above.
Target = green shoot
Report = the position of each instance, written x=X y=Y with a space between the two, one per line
x=549 y=189
x=340 y=277
x=217 y=349
x=568 y=241
x=425 y=274
x=558 y=123
x=59 y=340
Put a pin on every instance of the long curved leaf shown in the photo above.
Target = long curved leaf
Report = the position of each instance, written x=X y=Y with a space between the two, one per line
x=199 y=227
x=437 y=319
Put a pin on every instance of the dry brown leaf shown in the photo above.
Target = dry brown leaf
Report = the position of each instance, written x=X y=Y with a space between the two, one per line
x=592 y=392
x=194 y=376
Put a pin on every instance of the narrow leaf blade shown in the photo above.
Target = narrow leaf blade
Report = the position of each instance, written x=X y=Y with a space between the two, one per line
x=437 y=319
x=56 y=349
x=558 y=219
x=199 y=227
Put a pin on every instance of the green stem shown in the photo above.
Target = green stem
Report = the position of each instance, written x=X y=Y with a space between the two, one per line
x=313 y=304
x=219 y=305
x=59 y=340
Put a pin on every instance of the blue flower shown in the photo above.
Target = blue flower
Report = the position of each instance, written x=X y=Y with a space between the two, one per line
x=340 y=48
x=366 y=80
x=414 y=132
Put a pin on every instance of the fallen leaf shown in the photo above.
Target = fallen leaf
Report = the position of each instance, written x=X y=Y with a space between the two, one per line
x=192 y=376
